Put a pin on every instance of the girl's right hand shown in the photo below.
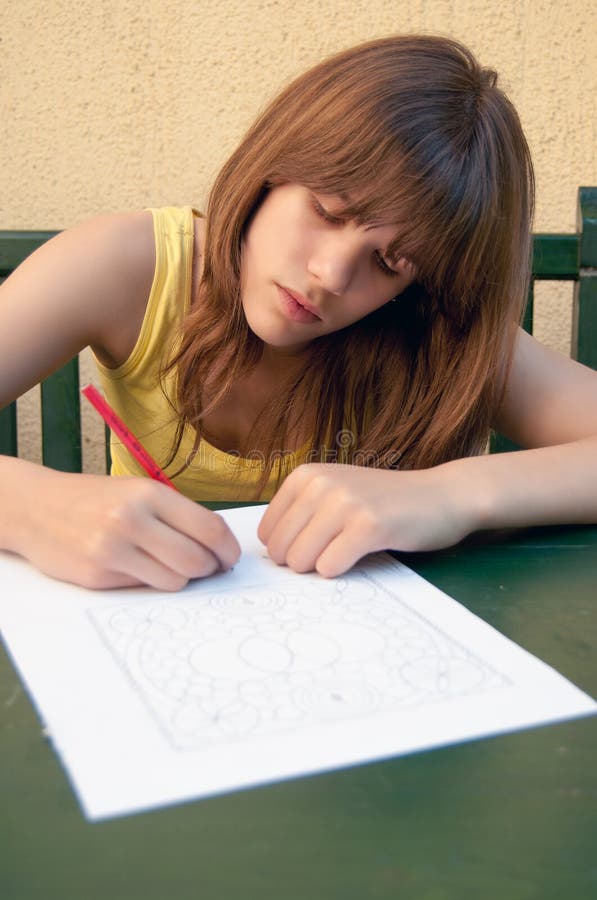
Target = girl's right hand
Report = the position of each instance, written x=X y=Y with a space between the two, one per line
x=107 y=532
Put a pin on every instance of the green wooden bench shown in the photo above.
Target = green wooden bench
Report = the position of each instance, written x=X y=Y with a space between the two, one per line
x=556 y=257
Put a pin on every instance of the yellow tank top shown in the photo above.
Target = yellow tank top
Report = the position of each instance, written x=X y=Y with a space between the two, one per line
x=145 y=401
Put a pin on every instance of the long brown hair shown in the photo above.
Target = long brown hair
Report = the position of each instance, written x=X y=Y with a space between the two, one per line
x=415 y=132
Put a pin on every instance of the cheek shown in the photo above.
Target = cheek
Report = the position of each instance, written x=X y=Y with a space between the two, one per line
x=254 y=253
x=266 y=243
x=373 y=293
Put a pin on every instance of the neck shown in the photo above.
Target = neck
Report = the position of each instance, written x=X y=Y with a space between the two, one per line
x=282 y=360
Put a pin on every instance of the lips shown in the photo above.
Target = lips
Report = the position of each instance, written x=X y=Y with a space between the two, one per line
x=297 y=307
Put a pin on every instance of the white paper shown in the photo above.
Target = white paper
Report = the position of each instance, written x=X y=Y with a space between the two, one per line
x=260 y=674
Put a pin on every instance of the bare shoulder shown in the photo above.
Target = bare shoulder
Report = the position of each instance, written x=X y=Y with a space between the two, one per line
x=87 y=286
x=548 y=399
x=120 y=253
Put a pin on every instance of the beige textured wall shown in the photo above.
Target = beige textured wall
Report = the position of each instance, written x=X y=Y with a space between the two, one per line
x=117 y=104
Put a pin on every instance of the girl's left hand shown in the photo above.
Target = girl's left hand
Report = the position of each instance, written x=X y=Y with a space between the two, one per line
x=327 y=516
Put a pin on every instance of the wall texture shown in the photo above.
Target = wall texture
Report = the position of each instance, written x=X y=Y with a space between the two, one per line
x=116 y=104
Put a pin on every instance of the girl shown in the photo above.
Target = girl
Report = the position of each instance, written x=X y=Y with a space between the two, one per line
x=340 y=331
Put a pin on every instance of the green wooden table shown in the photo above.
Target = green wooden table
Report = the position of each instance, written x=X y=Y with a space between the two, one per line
x=510 y=817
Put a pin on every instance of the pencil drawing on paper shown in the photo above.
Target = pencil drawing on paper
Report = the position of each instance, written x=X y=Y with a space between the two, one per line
x=226 y=665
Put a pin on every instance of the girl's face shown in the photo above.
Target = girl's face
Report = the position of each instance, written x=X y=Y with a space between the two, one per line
x=307 y=270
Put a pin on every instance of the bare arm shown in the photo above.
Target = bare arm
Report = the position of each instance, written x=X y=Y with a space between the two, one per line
x=327 y=517
x=549 y=407
x=89 y=286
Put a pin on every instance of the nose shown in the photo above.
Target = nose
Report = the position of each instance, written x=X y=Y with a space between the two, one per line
x=333 y=262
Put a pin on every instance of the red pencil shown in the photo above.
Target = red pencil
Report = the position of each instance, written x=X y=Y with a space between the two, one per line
x=133 y=445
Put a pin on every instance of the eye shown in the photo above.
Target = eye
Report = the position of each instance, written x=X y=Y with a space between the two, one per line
x=385 y=267
x=401 y=267
x=324 y=214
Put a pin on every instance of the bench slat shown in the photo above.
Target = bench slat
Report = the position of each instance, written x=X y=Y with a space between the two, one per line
x=61 y=419
x=15 y=246
x=8 y=430
x=584 y=311
x=555 y=257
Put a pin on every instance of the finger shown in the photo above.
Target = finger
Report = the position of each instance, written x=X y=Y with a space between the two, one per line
x=143 y=568
x=109 y=580
x=201 y=525
x=129 y=568
x=286 y=531
x=304 y=498
x=276 y=510
x=176 y=551
x=311 y=540
x=214 y=534
x=282 y=500
x=342 y=553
